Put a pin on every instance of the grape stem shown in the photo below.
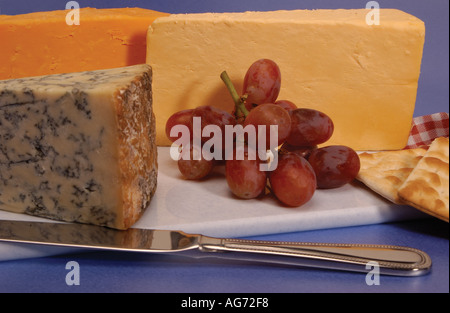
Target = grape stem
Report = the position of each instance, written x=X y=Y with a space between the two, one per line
x=239 y=102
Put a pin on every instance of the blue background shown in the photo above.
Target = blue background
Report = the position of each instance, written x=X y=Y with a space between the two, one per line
x=122 y=272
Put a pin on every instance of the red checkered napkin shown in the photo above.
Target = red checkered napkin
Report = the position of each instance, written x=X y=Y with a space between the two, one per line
x=427 y=128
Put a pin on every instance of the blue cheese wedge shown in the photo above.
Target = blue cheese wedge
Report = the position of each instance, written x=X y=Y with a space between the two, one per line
x=79 y=147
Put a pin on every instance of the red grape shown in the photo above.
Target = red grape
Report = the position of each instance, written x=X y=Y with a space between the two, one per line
x=244 y=177
x=179 y=118
x=293 y=182
x=213 y=116
x=300 y=168
x=304 y=152
x=309 y=128
x=270 y=114
x=287 y=105
x=334 y=166
x=262 y=83
x=193 y=165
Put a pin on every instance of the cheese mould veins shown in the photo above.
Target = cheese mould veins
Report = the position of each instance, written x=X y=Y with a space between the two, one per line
x=363 y=76
x=79 y=147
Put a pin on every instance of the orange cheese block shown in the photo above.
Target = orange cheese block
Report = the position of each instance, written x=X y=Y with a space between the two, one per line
x=43 y=43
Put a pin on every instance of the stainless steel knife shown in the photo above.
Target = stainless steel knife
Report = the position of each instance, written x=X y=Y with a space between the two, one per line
x=389 y=260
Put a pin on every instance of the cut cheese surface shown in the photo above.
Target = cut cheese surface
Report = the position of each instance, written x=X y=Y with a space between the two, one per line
x=42 y=43
x=79 y=147
x=364 y=77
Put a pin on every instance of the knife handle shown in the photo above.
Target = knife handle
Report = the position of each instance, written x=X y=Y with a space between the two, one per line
x=390 y=260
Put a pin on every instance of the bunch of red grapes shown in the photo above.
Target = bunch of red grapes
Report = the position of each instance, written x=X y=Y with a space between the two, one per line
x=302 y=167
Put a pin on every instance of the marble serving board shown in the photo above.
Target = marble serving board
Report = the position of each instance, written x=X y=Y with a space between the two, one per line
x=209 y=208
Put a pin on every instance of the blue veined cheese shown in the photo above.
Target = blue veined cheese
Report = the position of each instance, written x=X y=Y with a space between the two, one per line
x=79 y=147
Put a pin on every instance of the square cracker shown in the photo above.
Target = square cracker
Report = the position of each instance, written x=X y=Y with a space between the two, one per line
x=427 y=187
x=384 y=172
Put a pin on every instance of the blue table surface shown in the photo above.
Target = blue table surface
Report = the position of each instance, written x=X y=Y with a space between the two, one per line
x=129 y=272
x=106 y=272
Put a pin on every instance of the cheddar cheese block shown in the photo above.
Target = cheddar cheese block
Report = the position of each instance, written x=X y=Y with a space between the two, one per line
x=44 y=43
x=363 y=76
x=79 y=147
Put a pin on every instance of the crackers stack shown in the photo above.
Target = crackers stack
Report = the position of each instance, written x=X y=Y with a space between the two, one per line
x=417 y=177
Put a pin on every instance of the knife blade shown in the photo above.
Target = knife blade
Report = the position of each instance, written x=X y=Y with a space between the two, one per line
x=390 y=260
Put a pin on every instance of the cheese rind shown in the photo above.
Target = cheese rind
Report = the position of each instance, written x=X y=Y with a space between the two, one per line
x=364 y=77
x=42 y=43
x=79 y=147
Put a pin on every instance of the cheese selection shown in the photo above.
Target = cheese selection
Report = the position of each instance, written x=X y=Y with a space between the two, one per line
x=80 y=146
x=81 y=114
x=42 y=43
x=363 y=76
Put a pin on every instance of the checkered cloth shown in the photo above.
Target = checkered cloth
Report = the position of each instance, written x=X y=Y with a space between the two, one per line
x=427 y=128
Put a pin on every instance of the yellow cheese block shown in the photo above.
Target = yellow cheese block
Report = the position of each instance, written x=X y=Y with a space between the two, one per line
x=363 y=76
x=43 y=43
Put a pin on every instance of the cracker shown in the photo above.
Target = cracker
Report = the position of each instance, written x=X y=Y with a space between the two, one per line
x=427 y=187
x=384 y=172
